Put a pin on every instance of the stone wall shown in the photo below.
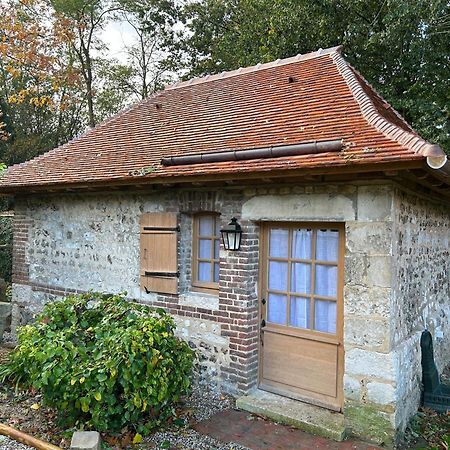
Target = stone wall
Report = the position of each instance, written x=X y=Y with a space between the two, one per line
x=70 y=243
x=369 y=380
x=421 y=292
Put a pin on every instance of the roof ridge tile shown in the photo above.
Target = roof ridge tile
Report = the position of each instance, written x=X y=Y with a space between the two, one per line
x=259 y=66
x=371 y=113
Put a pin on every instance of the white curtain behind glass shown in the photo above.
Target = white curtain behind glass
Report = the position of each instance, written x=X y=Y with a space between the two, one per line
x=300 y=283
x=277 y=306
x=206 y=226
x=278 y=274
x=300 y=312
x=326 y=280
x=278 y=243
x=301 y=244
x=301 y=277
x=327 y=245
x=325 y=316
x=204 y=271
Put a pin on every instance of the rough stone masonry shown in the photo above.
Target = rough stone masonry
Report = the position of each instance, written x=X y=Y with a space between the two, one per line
x=396 y=279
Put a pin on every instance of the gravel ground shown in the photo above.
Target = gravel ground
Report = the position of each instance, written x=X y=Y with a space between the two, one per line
x=9 y=444
x=204 y=402
x=187 y=439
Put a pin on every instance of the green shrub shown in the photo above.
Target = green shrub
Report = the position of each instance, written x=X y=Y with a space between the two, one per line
x=5 y=252
x=105 y=363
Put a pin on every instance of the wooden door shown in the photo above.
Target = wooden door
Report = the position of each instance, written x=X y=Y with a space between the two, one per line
x=301 y=352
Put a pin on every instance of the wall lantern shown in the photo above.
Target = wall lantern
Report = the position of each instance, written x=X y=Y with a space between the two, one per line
x=231 y=235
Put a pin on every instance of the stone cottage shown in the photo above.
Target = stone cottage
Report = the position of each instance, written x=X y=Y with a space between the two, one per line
x=341 y=260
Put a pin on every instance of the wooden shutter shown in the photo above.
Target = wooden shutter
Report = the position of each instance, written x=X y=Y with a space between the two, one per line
x=159 y=265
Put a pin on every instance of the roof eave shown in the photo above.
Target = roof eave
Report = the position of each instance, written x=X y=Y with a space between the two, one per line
x=98 y=185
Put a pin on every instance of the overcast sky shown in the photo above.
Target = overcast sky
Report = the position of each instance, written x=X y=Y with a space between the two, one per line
x=118 y=35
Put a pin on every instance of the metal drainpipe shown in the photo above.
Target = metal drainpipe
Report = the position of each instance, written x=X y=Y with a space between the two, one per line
x=304 y=148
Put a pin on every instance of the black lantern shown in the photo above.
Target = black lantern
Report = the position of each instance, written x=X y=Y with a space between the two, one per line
x=231 y=235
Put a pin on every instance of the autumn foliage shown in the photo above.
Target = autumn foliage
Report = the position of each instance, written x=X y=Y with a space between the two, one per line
x=33 y=49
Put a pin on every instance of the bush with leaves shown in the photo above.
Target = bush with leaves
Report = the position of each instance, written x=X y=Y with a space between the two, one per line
x=103 y=362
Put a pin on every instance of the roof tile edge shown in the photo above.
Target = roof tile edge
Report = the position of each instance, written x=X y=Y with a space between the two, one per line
x=83 y=135
x=257 y=67
x=410 y=140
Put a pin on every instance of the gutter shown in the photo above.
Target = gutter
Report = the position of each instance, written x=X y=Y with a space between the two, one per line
x=436 y=158
x=304 y=148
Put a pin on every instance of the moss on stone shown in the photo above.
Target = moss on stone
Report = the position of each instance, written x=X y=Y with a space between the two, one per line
x=309 y=418
x=368 y=422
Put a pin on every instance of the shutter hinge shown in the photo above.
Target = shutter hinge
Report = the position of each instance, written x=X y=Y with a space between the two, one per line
x=162 y=229
x=162 y=274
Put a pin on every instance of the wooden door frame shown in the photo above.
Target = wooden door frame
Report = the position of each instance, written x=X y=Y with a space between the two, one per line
x=265 y=226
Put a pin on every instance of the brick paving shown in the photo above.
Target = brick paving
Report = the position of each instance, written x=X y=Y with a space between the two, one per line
x=256 y=433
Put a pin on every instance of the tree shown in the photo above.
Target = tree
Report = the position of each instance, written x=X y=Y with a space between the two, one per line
x=52 y=83
x=153 y=22
x=115 y=87
x=38 y=81
x=85 y=18
x=401 y=46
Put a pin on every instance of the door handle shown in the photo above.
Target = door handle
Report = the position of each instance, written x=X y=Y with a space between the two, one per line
x=263 y=323
x=263 y=301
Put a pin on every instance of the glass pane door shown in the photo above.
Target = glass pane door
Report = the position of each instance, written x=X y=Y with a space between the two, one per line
x=303 y=278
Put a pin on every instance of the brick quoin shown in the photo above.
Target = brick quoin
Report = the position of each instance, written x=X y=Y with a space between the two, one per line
x=20 y=268
x=238 y=297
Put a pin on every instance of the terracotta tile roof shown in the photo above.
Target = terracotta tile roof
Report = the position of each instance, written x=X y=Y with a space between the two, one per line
x=317 y=96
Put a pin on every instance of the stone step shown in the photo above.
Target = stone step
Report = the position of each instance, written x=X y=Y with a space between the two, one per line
x=303 y=416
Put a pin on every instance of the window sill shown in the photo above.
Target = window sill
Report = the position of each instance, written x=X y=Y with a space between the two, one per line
x=200 y=300
x=211 y=289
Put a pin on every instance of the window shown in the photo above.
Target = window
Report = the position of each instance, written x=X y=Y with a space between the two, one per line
x=303 y=277
x=205 y=252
